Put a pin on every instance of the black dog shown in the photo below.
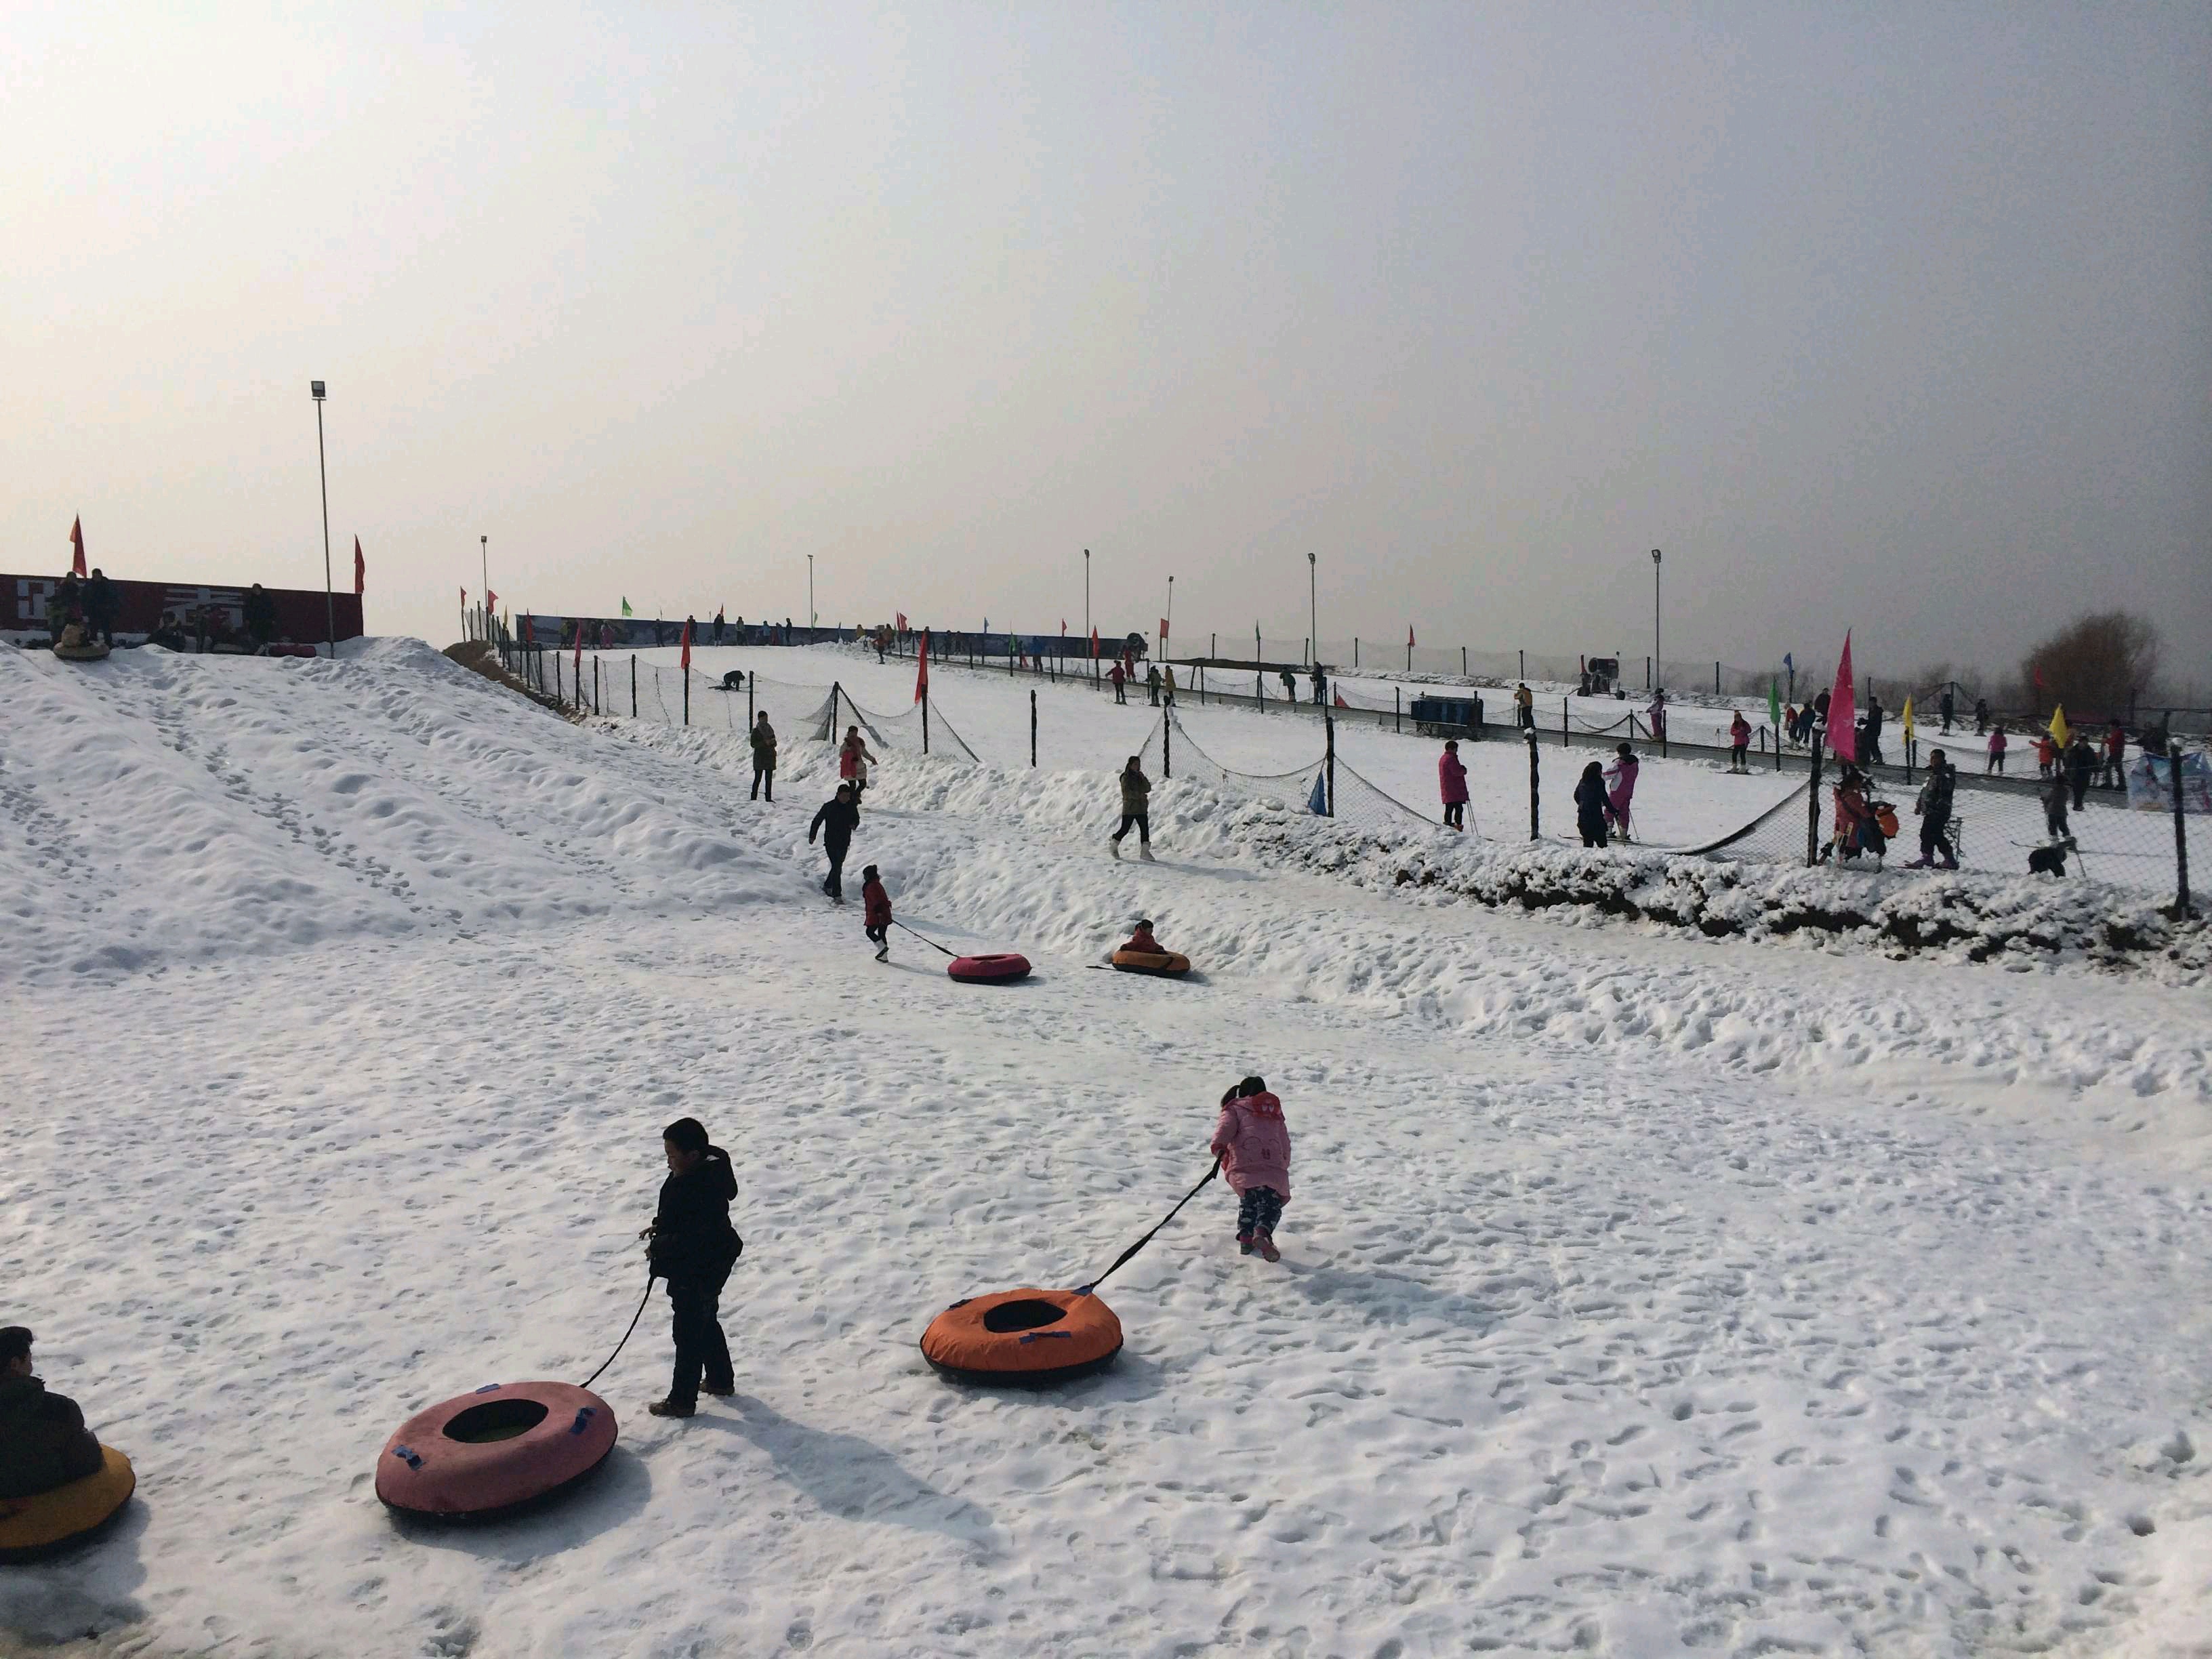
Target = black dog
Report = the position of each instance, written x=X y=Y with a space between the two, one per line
x=2050 y=860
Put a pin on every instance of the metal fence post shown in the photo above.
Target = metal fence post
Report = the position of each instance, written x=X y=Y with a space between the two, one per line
x=1328 y=725
x=1716 y=678
x=595 y=683
x=1397 y=709
x=557 y=697
x=1534 y=828
x=925 y=719
x=1032 y=731
x=633 y=685
x=1567 y=733
x=1167 y=742
x=2181 y=910
x=687 y=694
x=1812 y=801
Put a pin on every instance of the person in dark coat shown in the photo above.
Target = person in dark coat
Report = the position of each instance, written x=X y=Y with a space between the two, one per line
x=2081 y=766
x=1590 y=804
x=101 y=602
x=1981 y=716
x=1934 y=809
x=877 y=920
x=2055 y=795
x=1948 y=706
x=261 y=610
x=44 y=1442
x=1871 y=755
x=762 y=738
x=1136 y=808
x=836 y=821
x=693 y=1248
x=66 y=605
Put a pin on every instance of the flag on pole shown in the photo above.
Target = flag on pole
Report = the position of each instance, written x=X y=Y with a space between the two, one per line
x=491 y=603
x=464 y=598
x=1409 y=636
x=2059 y=731
x=1318 y=802
x=901 y=621
x=1341 y=702
x=1788 y=663
x=1163 y=632
x=685 y=664
x=625 y=605
x=921 y=669
x=577 y=660
x=360 y=570
x=1774 y=705
x=1843 y=707
x=1094 y=642
x=1905 y=718
x=77 y=541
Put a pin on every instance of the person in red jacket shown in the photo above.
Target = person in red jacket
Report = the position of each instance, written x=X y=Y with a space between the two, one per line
x=1119 y=680
x=1451 y=784
x=1739 y=744
x=877 y=917
x=1142 y=940
x=2116 y=752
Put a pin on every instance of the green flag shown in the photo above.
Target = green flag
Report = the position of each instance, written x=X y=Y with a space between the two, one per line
x=625 y=607
x=1773 y=705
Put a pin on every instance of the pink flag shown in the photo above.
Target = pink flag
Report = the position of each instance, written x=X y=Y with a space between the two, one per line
x=921 y=669
x=1842 y=731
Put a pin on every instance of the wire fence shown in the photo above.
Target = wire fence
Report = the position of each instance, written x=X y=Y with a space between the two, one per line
x=2142 y=825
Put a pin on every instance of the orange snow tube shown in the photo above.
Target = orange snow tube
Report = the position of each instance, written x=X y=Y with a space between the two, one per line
x=1168 y=964
x=52 y=1521
x=1023 y=1339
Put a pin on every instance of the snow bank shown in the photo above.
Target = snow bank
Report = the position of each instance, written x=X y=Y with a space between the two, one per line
x=157 y=808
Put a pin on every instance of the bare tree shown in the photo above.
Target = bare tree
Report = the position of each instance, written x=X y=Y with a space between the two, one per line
x=2093 y=665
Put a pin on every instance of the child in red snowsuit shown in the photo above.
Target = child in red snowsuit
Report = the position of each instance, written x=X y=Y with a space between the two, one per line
x=1254 y=1144
x=877 y=916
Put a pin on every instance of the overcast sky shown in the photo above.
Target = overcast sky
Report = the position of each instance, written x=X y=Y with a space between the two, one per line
x=1897 y=318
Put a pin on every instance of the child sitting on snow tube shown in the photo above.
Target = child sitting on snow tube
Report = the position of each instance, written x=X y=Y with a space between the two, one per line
x=1254 y=1144
x=1142 y=940
x=44 y=1442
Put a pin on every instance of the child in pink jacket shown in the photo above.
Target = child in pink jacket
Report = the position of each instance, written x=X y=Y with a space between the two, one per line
x=1254 y=1144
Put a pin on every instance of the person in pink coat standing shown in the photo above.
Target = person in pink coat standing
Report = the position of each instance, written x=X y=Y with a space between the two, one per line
x=1254 y=1144
x=1620 y=788
x=1451 y=780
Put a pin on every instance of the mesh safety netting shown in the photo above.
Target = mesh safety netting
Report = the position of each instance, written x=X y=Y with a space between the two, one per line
x=624 y=687
x=1354 y=800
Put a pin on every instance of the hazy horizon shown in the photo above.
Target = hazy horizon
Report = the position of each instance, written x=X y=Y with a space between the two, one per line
x=1897 y=321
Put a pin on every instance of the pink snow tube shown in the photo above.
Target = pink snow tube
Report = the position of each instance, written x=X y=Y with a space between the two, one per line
x=1004 y=965
x=504 y=1445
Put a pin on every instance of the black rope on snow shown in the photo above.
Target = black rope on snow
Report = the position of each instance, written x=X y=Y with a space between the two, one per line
x=634 y=1318
x=924 y=938
x=1147 y=1238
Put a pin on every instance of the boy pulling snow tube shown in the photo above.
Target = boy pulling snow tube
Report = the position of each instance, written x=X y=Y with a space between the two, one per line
x=1168 y=964
x=50 y=1522
x=1023 y=1339
x=987 y=969
x=483 y=1454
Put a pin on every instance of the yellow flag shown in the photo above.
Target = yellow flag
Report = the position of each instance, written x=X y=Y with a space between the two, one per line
x=2058 y=725
x=1907 y=717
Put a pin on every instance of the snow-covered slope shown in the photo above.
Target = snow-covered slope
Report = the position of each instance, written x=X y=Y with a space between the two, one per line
x=1642 y=1294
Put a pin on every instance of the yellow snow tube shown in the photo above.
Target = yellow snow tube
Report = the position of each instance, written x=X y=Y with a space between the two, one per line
x=1167 y=964
x=52 y=1521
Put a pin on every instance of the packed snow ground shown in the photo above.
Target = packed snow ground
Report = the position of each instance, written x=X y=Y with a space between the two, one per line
x=1642 y=1293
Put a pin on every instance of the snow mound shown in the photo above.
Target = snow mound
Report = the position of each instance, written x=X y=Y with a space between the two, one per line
x=157 y=808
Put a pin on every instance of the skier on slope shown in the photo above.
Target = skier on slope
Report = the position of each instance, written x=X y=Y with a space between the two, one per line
x=1136 y=808
x=1621 y=789
x=877 y=918
x=1253 y=1142
x=1451 y=784
x=693 y=1247
x=837 y=820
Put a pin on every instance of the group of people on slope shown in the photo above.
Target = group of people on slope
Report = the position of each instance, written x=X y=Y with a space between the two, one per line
x=1158 y=683
x=1604 y=798
x=838 y=819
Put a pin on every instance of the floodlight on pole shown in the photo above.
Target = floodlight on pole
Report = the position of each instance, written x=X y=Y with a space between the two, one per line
x=322 y=471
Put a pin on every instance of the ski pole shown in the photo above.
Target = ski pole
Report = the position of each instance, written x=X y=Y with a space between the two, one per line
x=1147 y=1238
x=924 y=938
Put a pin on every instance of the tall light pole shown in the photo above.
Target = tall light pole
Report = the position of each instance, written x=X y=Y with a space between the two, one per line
x=810 y=590
x=322 y=471
x=1086 y=611
x=1658 y=674
x=484 y=552
x=1313 y=598
x=1169 y=618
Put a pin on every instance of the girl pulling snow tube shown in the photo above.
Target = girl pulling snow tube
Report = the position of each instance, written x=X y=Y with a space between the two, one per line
x=50 y=1522
x=1023 y=1339
x=988 y=970
x=506 y=1445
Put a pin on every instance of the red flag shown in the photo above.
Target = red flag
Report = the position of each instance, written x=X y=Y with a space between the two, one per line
x=1409 y=636
x=1094 y=642
x=1163 y=631
x=686 y=662
x=921 y=669
x=1063 y=628
x=1843 y=734
x=360 y=570
x=1341 y=702
x=464 y=598
x=77 y=541
x=491 y=603
x=901 y=622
